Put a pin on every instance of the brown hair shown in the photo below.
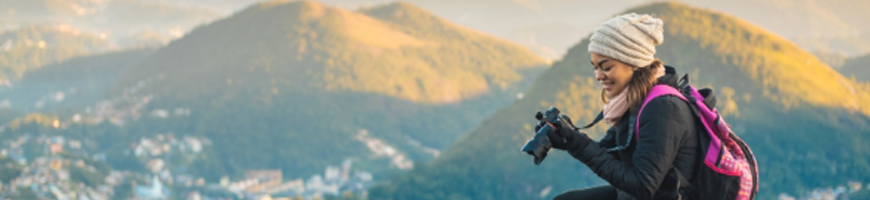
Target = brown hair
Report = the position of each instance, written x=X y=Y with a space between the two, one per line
x=642 y=81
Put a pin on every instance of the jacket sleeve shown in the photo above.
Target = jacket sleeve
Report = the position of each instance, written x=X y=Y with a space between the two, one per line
x=662 y=126
x=609 y=140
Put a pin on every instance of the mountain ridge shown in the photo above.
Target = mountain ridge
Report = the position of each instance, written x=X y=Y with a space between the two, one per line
x=742 y=63
x=30 y=47
x=302 y=79
x=857 y=67
x=346 y=59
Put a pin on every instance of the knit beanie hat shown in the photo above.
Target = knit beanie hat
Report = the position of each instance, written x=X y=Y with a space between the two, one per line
x=630 y=38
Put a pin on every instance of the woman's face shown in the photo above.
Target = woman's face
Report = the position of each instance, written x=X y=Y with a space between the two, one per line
x=612 y=74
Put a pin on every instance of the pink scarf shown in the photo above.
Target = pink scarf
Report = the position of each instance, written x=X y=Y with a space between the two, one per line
x=616 y=107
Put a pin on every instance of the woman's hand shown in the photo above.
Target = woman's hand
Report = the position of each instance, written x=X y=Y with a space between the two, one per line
x=564 y=138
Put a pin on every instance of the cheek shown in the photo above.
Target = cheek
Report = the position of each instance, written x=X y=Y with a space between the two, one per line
x=622 y=78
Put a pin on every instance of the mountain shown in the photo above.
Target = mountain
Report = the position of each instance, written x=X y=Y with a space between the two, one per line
x=848 y=45
x=31 y=47
x=802 y=118
x=76 y=82
x=835 y=60
x=547 y=27
x=345 y=42
x=859 y=67
x=300 y=85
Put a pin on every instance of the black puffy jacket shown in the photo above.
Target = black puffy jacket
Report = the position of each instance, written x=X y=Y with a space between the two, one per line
x=648 y=167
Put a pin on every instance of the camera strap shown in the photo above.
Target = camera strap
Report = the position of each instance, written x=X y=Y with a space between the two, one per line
x=597 y=119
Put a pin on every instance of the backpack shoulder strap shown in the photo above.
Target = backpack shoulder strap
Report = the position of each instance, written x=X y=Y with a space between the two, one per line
x=656 y=91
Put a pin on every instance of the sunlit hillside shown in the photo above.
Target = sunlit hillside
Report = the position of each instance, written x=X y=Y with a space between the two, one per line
x=779 y=98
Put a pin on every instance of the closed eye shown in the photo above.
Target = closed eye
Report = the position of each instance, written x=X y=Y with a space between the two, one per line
x=600 y=64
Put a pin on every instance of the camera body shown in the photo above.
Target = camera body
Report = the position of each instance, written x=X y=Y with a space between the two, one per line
x=540 y=144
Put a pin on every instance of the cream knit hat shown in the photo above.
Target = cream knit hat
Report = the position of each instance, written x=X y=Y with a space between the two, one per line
x=630 y=38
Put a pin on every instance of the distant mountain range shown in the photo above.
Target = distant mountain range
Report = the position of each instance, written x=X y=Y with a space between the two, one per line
x=802 y=118
x=29 y=48
x=74 y=83
x=292 y=85
x=858 y=67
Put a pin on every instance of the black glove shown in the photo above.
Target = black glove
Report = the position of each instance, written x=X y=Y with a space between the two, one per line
x=564 y=138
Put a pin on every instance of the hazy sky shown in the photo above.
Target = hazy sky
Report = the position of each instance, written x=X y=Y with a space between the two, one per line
x=549 y=27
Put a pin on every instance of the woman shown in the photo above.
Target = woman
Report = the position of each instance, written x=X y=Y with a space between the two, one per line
x=651 y=165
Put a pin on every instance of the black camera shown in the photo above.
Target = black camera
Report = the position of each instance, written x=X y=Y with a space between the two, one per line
x=539 y=145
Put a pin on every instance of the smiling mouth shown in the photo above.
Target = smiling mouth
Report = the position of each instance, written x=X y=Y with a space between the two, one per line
x=607 y=85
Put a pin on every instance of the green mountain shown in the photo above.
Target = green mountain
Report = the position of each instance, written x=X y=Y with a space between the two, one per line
x=376 y=51
x=858 y=67
x=291 y=85
x=31 y=47
x=74 y=83
x=803 y=119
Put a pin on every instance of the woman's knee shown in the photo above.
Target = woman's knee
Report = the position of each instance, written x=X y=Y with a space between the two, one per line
x=600 y=192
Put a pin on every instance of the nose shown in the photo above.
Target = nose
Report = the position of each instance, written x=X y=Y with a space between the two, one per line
x=599 y=75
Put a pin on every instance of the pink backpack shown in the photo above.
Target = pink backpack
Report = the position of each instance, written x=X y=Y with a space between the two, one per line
x=729 y=171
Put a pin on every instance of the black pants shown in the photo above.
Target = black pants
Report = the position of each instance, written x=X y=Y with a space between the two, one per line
x=605 y=192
